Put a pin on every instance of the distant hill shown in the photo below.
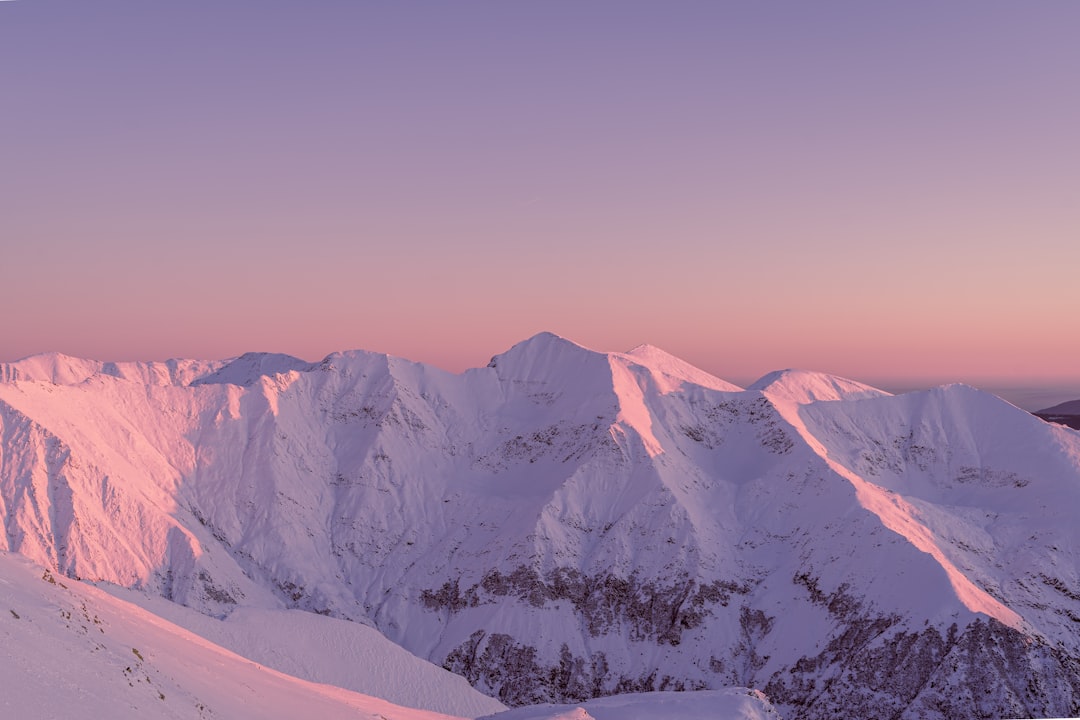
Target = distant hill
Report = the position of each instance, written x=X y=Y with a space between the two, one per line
x=1066 y=413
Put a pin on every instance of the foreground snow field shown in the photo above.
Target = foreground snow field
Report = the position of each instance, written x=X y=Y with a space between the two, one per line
x=72 y=651
x=728 y=704
x=327 y=650
x=566 y=524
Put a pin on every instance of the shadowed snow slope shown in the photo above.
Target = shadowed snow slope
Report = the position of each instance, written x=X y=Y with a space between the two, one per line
x=327 y=650
x=565 y=524
x=249 y=367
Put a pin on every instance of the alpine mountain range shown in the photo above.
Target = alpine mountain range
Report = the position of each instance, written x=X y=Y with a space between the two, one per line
x=566 y=524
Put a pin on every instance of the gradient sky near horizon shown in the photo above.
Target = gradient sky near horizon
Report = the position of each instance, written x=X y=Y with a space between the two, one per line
x=878 y=190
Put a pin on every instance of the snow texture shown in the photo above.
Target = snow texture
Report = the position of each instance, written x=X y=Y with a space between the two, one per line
x=727 y=704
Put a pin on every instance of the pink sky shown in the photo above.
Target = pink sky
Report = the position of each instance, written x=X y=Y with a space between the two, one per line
x=881 y=192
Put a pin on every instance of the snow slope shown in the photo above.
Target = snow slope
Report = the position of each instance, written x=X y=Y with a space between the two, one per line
x=730 y=704
x=71 y=651
x=565 y=524
x=326 y=650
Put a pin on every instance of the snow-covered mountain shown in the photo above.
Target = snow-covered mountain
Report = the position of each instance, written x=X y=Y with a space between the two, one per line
x=566 y=524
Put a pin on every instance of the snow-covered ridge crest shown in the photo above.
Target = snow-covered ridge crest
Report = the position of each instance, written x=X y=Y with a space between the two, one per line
x=59 y=369
x=675 y=371
x=531 y=355
x=249 y=367
x=567 y=523
x=804 y=386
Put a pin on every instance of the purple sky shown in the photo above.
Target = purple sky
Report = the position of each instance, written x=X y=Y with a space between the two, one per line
x=879 y=190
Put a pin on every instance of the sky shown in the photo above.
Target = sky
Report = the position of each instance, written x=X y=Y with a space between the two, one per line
x=884 y=191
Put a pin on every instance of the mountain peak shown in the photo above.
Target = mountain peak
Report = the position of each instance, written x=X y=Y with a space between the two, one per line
x=806 y=386
x=249 y=367
x=52 y=367
x=676 y=368
x=541 y=349
x=538 y=343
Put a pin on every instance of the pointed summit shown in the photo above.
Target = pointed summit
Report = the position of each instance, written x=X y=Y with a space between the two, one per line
x=249 y=367
x=805 y=386
x=539 y=343
x=675 y=368
x=539 y=355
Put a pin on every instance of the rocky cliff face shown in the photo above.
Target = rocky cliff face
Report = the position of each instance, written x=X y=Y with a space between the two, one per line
x=565 y=524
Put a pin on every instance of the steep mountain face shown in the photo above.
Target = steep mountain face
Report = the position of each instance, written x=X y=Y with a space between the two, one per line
x=565 y=524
